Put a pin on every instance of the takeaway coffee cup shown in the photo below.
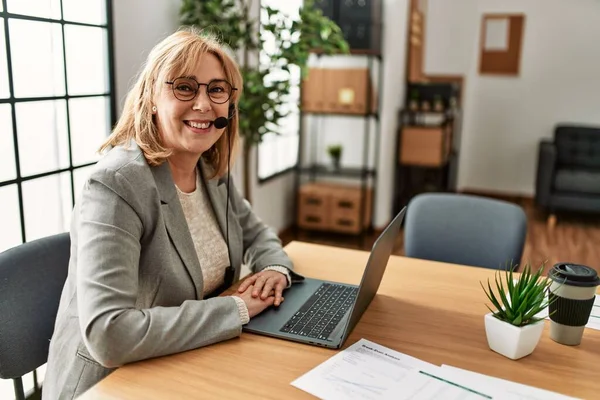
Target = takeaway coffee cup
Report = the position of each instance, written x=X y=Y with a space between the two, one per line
x=572 y=295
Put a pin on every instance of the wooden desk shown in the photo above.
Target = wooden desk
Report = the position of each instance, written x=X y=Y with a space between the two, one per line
x=429 y=310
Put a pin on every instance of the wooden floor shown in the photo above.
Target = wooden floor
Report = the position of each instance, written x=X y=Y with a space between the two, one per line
x=574 y=239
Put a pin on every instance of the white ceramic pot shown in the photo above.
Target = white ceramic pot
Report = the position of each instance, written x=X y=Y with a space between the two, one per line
x=512 y=341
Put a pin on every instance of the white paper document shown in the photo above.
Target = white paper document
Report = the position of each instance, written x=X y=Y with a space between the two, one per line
x=594 y=321
x=496 y=34
x=367 y=370
x=512 y=390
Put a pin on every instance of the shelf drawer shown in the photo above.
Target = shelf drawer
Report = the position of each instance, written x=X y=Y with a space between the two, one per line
x=314 y=207
x=345 y=224
x=346 y=210
x=314 y=221
x=333 y=207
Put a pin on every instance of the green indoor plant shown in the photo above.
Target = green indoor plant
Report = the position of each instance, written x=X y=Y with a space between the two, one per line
x=413 y=105
x=266 y=85
x=438 y=103
x=515 y=323
x=335 y=152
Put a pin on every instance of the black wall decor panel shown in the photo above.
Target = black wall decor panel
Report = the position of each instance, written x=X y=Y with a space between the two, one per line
x=364 y=10
x=360 y=21
x=328 y=8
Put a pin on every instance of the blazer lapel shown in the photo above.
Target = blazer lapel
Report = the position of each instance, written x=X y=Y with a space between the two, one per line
x=217 y=193
x=176 y=225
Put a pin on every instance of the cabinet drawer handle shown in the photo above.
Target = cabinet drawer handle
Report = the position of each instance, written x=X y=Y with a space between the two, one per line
x=311 y=218
x=346 y=204
x=313 y=201
x=345 y=222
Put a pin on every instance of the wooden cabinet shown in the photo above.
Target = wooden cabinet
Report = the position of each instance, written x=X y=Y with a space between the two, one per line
x=427 y=155
x=425 y=146
x=349 y=92
x=345 y=209
x=333 y=207
x=314 y=207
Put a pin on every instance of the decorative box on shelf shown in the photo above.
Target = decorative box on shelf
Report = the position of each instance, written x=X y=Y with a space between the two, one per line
x=344 y=91
x=333 y=207
x=425 y=146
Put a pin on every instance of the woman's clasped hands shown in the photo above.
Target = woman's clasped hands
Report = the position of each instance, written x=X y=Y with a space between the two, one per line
x=262 y=290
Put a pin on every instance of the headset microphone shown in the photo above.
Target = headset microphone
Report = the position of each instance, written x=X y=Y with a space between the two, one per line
x=221 y=122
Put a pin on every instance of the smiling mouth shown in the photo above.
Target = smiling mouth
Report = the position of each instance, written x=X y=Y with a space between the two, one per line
x=199 y=125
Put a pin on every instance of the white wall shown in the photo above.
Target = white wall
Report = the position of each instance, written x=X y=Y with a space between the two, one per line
x=505 y=117
x=450 y=34
x=395 y=38
x=274 y=200
x=140 y=24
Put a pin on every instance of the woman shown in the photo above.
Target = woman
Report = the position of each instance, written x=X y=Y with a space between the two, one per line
x=158 y=224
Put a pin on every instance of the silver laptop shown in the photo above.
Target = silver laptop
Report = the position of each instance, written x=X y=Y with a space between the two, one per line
x=323 y=313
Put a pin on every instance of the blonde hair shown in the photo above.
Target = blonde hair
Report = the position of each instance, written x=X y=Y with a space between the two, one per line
x=176 y=55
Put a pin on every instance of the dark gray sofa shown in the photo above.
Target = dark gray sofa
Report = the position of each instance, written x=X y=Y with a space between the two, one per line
x=568 y=171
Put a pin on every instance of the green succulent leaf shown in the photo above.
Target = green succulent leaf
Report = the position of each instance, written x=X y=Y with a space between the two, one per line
x=507 y=304
x=518 y=297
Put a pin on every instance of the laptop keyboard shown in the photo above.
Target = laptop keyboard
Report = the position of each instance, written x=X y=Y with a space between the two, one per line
x=322 y=312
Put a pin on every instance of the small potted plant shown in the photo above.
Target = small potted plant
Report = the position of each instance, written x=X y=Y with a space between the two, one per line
x=515 y=326
x=335 y=152
x=438 y=103
x=413 y=105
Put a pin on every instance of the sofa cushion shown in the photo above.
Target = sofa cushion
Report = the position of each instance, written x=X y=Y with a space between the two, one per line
x=577 y=180
x=577 y=146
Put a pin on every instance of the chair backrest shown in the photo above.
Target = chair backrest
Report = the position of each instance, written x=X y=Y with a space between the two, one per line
x=465 y=229
x=32 y=276
x=577 y=146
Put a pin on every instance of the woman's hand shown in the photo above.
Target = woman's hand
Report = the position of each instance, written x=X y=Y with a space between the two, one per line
x=264 y=283
x=255 y=304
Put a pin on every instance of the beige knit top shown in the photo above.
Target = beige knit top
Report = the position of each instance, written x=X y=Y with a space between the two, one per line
x=209 y=242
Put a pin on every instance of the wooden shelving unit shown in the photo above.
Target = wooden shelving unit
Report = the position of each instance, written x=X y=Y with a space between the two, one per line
x=339 y=208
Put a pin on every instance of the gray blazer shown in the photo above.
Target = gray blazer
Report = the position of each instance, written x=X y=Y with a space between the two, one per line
x=134 y=288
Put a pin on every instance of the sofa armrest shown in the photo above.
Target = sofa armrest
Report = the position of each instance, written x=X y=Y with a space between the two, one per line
x=545 y=172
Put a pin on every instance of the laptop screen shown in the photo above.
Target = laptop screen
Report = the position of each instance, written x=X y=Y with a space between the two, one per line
x=371 y=279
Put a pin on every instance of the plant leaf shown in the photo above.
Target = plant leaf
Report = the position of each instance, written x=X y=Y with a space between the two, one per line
x=494 y=301
x=505 y=301
x=521 y=296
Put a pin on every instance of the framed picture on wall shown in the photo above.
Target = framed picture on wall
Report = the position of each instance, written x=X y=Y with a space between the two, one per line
x=501 y=44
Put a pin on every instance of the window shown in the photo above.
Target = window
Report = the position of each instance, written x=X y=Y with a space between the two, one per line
x=279 y=153
x=56 y=108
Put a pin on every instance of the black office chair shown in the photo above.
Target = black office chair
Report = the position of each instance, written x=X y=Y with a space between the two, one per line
x=32 y=276
x=465 y=229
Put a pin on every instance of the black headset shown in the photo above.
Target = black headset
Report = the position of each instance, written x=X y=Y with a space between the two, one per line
x=229 y=271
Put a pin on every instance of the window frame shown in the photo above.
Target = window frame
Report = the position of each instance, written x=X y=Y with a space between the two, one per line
x=284 y=171
x=19 y=179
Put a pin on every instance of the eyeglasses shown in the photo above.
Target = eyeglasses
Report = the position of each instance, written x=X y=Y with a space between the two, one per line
x=186 y=89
